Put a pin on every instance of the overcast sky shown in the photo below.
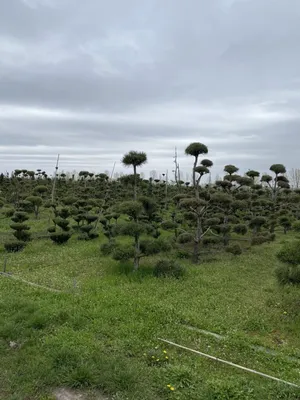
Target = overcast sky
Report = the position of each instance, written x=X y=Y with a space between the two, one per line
x=94 y=79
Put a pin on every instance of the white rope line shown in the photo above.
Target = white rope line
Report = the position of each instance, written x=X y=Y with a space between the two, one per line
x=30 y=283
x=230 y=363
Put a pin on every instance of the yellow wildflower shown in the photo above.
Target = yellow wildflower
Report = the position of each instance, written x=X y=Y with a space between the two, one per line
x=165 y=352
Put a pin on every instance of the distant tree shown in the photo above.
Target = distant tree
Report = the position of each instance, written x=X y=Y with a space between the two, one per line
x=196 y=149
x=294 y=178
x=279 y=182
x=134 y=159
x=252 y=174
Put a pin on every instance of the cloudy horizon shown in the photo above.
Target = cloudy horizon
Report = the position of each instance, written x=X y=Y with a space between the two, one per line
x=93 y=80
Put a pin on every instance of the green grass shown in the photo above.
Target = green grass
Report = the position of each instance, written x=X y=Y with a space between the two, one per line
x=101 y=331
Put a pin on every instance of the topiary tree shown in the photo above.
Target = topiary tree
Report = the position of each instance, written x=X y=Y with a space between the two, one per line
x=136 y=226
x=253 y=174
x=279 y=181
x=202 y=170
x=196 y=149
x=20 y=232
x=40 y=190
x=134 y=159
x=256 y=224
x=230 y=169
x=196 y=210
x=88 y=229
x=285 y=222
x=36 y=202
x=63 y=235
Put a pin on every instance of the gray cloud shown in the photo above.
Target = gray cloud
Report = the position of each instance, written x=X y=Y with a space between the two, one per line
x=91 y=80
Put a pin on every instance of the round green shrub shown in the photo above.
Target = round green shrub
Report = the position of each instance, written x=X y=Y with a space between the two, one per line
x=290 y=253
x=296 y=226
x=154 y=246
x=240 y=229
x=168 y=268
x=234 y=249
x=258 y=240
x=185 y=238
x=167 y=225
x=288 y=274
x=122 y=252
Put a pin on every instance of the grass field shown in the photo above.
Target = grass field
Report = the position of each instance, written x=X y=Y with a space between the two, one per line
x=100 y=333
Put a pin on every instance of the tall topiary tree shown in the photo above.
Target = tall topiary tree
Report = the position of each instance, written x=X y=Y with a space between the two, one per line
x=196 y=149
x=279 y=181
x=134 y=159
x=20 y=232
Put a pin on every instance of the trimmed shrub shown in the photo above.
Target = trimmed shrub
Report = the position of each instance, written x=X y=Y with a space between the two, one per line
x=168 y=225
x=23 y=236
x=122 y=252
x=240 y=229
x=168 y=268
x=149 y=247
x=234 y=249
x=17 y=226
x=86 y=228
x=92 y=218
x=8 y=212
x=20 y=216
x=14 y=246
x=258 y=240
x=185 y=238
x=107 y=248
x=93 y=235
x=60 y=237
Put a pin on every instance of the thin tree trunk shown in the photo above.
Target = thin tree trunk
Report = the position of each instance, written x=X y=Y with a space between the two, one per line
x=134 y=188
x=197 y=240
x=136 y=253
x=194 y=172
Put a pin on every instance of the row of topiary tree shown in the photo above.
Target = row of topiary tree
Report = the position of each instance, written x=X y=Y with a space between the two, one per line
x=198 y=219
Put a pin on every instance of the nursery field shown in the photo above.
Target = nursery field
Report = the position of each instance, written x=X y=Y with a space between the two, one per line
x=100 y=333
x=98 y=276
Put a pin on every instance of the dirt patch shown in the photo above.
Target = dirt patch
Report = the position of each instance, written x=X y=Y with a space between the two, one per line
x=68 y=394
